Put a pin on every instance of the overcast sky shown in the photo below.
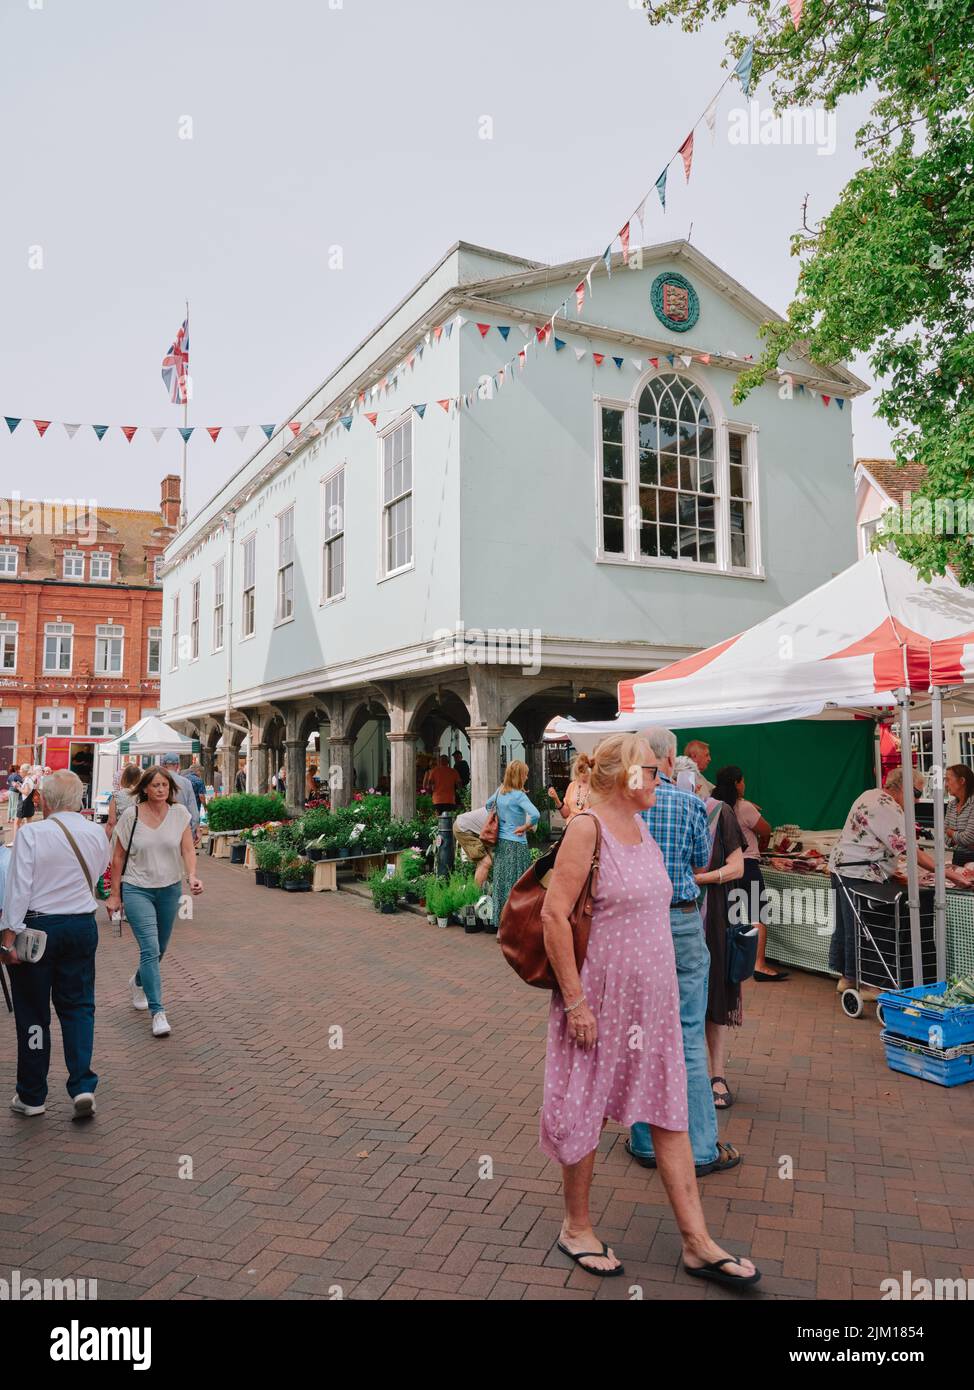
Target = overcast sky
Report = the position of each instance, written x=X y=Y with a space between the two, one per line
x=315 y=126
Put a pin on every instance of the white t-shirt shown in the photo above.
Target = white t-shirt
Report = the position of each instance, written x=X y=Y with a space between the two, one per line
x=155 y=861
x=472 y=822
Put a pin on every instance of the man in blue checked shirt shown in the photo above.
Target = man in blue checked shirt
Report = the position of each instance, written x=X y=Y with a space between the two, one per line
x=678 y=824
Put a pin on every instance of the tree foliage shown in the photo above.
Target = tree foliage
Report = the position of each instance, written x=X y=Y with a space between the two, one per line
x=888 y=271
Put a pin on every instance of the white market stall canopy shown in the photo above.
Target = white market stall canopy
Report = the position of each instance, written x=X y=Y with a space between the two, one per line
x=150 y=737
x=852 y=643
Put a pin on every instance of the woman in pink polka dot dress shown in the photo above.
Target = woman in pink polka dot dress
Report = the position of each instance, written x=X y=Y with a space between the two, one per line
x=615 y=1045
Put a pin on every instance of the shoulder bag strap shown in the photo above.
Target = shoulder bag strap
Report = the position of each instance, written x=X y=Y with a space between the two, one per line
x=125 y=862
x=77 y=852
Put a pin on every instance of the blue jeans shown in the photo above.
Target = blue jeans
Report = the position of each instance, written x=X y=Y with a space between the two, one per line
x=66 y=974
x=151 y=913
x=693 y=976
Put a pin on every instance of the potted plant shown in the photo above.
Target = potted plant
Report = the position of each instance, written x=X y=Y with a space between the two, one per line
x=438 y=900
x=296 y=875
x=238 y=852
x=386 y=891
x=269 y=862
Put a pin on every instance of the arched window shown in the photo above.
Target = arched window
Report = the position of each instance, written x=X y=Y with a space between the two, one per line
x=676 y=485
x=676 y=472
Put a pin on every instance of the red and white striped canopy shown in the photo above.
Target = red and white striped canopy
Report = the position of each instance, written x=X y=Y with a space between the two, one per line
x=875 y=628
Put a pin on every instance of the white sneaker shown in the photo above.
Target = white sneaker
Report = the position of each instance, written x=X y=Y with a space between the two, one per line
x=84 y=1106
x=139 y=1000
x=160 y=1025
x=21 y=1109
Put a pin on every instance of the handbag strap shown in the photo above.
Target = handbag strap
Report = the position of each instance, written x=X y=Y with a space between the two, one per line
x=125 y=862
x=77 y=852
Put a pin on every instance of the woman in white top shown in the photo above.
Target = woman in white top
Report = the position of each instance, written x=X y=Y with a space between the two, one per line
x=152 y=848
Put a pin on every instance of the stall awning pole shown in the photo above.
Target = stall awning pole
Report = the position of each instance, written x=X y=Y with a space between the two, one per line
x=939 y=848
x=909 y=817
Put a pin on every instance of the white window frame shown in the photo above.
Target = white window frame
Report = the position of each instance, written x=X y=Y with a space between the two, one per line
x=219 y=603
x=61 y=632
x=98 y=556
x=106 y=635
x=284 y=588
x=153 y=644
x=194 y=620
x=336 y=478
x=72 y=555
x=109 y=727
x=57 y=713
x=174 y=638
x=9 y=552
x=723 y=427
x=404 y=421
x=248 y=608
x=9 y=642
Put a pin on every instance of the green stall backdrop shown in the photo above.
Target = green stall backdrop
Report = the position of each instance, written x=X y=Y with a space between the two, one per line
x=801 y=772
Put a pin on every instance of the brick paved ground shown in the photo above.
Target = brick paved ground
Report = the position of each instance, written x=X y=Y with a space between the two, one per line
x=359 y=1167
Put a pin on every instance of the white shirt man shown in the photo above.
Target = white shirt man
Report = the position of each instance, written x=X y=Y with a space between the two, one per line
x=48 y=889
x=699 y=752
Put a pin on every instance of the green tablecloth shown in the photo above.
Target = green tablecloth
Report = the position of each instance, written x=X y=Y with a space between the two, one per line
x=800 y=929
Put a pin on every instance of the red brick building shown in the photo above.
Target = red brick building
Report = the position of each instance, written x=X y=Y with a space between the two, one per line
x=80 y=618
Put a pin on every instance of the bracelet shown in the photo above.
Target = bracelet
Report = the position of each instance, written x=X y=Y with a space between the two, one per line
x=570 y=1008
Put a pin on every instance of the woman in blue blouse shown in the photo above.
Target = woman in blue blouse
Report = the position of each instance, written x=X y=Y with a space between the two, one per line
x=517 y=815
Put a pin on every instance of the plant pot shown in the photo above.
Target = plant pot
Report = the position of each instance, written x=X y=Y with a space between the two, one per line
x=471 y=930
x=431 y=918
x=299 y=887
x=442 y=921
x=345 y=852
x=411 y=897
x=387 y=908
x=314 y=854
x=259 y=877
x=271 y=879
x=238 y=854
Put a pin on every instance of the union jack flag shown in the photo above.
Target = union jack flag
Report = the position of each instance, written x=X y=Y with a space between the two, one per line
x=175 y=366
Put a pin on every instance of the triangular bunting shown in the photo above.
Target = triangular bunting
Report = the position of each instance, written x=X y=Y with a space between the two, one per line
x=619 y=361
x=826 y=399
x=686 y=153
x=598 y=358
x=483 y=329
x=372 y=416
x=579 y=354
x=522 y=358
x=641 y=214
x=241 y=432
x=661 y=189
x=796 y=7
x=840 y=401
x=128 y=431
x=525 y=329
x=459 y=320
x=743 y=68
x=346 y=420
x=685 y=358
x=268 y=429
x=100 y=430
x=438 y=333
x=42 y=427
x=449 y=328
x=420 y=409
x=559 y=344
x=504 y=330
x=295 y=427
x=710 y=116
x=624 y=238
x=671 y=359
x=186 y=431
x=579 y=296
x=71 y=430
x=654 y=363
x=637 y=362
x=445 y=404
x=607 y=260
x=214 y=432
x=13 y=421
x=705 y=357
x=157 y=431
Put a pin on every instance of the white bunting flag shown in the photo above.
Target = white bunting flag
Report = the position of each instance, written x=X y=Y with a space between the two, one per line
x=525 y=329
x=71 y=430
x=641 y=214
x=459 y=320
x=241 y=431
x=710 y=116
x=579 y=354
x=157 y=431
x=685 y=358
x=637 y=362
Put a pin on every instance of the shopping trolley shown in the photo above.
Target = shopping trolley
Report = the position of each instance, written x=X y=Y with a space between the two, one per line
x=884 y=950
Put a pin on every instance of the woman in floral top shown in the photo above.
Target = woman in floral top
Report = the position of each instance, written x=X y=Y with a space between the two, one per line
x=872 y=840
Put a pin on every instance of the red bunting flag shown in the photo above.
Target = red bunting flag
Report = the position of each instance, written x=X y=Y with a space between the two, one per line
x=361 y=398
x=372 y=416
x=522 y=357
x=128 y=431
x=445 y=404
x=295 y=427
x=484 y=329
x=214 y=432
x=705 y=357
x=624 y=238
x=411 y=360
x=686 y=150
x=598 y=358
x=654 y=363
x=42 y=426
x=796 y=7
x=826 y=399
x=438 y=333
x=580 y=296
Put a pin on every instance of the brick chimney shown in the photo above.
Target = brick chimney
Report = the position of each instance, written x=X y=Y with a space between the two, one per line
x=171 y=501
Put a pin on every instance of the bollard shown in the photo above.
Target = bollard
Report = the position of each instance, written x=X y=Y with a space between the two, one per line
x=444 y=845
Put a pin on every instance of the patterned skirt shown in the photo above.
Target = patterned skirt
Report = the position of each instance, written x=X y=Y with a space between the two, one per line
x=511 y=859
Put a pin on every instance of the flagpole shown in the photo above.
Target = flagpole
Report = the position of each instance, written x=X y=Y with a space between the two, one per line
x=182 y=511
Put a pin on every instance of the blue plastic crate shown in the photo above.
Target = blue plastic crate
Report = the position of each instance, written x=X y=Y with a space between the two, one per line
x=904 y=1015
x=944 y=1067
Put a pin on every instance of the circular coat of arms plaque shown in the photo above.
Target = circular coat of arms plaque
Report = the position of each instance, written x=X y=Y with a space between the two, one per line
x=674 y=301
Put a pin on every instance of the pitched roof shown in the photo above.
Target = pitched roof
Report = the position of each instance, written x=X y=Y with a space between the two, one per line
x=894 y=478
x=135 y=531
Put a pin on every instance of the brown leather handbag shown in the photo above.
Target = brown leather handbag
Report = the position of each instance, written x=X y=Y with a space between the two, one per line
x=521 y=934
x=492 y=825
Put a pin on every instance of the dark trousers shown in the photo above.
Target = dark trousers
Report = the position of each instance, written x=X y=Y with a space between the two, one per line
x=66 y=975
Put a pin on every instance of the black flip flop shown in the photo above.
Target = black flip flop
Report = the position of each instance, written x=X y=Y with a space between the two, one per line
x=590 y=1255
x=721 y=1101
x=770 y=977
x=716 y=1274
